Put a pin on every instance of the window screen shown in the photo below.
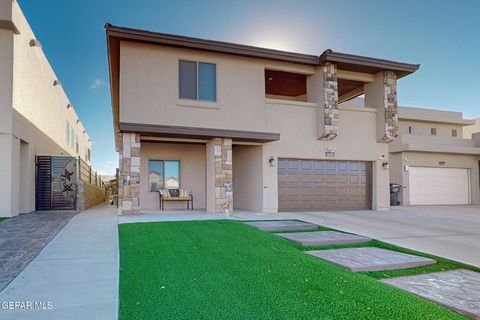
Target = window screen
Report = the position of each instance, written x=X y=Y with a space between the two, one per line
x=188 y=80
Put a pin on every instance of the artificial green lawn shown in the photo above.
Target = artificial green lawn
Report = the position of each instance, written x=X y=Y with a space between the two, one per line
x=228 y=270
x=442 y=264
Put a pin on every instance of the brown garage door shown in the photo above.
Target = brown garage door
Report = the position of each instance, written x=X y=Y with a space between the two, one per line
x=306 y=185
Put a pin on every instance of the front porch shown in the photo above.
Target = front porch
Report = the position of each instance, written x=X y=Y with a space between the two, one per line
x=205 y=168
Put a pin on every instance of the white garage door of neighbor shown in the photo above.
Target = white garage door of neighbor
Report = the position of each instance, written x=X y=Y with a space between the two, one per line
x=439 y=186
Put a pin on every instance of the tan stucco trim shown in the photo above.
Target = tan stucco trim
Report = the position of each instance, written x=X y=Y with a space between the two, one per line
x=7 y=24
x=191 y=132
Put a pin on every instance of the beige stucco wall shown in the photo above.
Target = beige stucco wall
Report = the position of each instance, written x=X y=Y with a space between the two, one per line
x=469 y=130
x=424 y=128
x=33 y=113
x=356 y=141
x=248 y=177
x=150 y=74
x=422 y=159
x=192 y=172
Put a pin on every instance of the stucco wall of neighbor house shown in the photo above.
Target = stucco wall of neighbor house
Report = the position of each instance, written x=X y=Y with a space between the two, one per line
x=34 y=112
x=424 y=128
x=150 y=74
x=423 y=159
x=192 y=172
x=6 y=137
x=356 y=141
x=34 y=95
x=469 y=130
x=248 y=177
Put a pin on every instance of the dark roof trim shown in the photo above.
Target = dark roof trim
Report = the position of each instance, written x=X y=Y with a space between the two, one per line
x=208 y=45
x=338 y=57
x=253 y=52
x=193 y=132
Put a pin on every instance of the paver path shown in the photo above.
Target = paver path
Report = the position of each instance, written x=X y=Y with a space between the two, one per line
x=278 y=225
x=371 y=259
x=77 y=272
x=320 y=238
x=458 y=289
x=23 y=237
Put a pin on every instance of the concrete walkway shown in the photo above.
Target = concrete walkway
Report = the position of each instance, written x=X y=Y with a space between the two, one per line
x=448 y=231
x=76 y=274
x=23 y=237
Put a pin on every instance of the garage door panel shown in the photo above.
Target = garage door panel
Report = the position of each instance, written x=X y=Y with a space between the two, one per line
x=323 y=185
x=439 y=186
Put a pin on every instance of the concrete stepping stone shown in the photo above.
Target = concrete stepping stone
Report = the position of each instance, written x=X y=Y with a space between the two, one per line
x=321 y=238
x=371 y=259
x=458 y=290
x=278 y=225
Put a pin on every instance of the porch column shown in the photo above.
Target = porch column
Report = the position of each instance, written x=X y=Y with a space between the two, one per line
x=382 y=95
x=328 y=115
x=219 y=175
x=129 y=174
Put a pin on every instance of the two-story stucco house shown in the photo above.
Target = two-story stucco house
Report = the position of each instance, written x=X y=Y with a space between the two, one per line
x=431 y=159
x=36 y=117
x=247 y=128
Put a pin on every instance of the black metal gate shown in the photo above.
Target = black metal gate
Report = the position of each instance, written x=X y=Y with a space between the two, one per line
x=56 y=183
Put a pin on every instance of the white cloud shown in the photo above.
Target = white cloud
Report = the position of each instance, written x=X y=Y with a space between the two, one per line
x=106 y=168
x=97 y=84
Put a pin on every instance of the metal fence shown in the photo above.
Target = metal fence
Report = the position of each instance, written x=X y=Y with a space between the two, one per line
x=86 y=174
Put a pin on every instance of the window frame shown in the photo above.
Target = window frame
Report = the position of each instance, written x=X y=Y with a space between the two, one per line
x=197 y=98
x=164 y=176
x=433 y=131
x=454 y=133
x=411 y=129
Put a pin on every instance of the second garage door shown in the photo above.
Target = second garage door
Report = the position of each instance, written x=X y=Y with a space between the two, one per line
x=309 y=185
x=439 y=185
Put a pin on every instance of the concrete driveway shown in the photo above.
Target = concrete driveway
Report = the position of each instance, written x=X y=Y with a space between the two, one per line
x=449 y=231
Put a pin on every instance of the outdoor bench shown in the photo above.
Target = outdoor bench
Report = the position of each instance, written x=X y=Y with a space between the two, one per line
x=175 y=195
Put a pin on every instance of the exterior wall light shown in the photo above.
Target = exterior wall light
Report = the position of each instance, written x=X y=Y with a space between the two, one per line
x=78 y=120
x=272 y=161
x=35 y=43
x=57 y=83
x=385 y=165
x=69 y=106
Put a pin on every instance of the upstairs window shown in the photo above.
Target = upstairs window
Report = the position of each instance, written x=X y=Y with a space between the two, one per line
x=285 y=85
x=411 y=130
x=77 y=144
x=433 y=131
x=454 y=133
x=197 y=81
x=68 y=133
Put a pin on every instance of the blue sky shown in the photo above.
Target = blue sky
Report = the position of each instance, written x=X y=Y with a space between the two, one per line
x=443 y=36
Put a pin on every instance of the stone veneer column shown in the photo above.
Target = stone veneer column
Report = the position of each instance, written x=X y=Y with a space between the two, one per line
x=129 y=174
x=220 y=175
x=390 y=105
x=330 y=102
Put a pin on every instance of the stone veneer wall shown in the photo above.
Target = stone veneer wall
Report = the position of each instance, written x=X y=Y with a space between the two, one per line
x=391 y=109
x=129 y=174
x=223 y=175
x=330 y=91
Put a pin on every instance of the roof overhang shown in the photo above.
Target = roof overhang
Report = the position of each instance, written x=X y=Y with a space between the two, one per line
x=197 y=133
x=344 y=61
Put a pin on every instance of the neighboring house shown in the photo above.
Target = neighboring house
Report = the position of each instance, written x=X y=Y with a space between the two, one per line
x=432 y=160
x=468 y=131
x=36 y=117
x=249 y=128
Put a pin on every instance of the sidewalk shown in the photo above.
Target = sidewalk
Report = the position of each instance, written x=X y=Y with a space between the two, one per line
x=77 y=272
